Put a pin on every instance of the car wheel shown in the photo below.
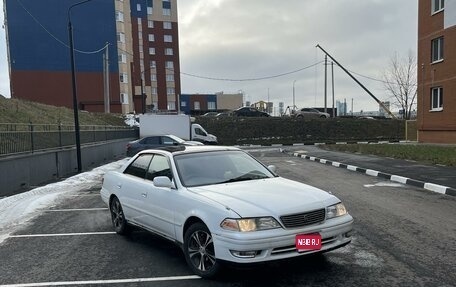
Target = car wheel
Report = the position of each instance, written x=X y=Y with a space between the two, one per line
x=323 y=117
x=200 y=252
x=117 y=217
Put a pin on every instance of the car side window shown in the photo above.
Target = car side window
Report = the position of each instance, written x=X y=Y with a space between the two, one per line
x=200 y=132
x=159 y=167
x=153 y=140
x=168 y=141
x=139 y=166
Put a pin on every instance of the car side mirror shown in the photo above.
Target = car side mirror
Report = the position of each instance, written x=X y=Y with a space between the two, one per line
x=272 y=168
x=163 y=181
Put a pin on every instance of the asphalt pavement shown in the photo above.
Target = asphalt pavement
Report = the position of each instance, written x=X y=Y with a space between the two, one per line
x=436 y=178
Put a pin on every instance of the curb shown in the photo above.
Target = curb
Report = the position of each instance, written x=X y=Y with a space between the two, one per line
x=327 y=143
x=396 y=178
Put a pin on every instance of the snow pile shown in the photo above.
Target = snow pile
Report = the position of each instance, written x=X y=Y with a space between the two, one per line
x=18 y=209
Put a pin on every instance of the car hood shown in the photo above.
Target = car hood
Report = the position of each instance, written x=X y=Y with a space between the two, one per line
x=267 y=197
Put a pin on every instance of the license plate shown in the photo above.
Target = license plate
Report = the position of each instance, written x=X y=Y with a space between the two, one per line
x=305 y=242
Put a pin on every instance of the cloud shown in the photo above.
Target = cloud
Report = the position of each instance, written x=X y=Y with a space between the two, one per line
x=255 y=38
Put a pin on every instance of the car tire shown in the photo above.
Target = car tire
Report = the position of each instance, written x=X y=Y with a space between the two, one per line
x=199 y=251
x=323 y=117
x=118 y=217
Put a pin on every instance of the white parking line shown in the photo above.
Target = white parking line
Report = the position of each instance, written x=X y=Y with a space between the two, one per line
x=77 y=209
x=114 y=281
x=60 y=234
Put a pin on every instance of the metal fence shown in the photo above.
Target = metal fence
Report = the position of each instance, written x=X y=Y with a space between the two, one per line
x=20 y=138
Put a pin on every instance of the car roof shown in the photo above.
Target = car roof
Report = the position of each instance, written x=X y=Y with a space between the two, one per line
x=176 y=150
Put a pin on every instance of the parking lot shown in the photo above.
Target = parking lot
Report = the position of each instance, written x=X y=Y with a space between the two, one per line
x=404 y=236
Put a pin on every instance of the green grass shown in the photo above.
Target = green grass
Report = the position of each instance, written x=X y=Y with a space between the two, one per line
x=21 y=111
x=430 y=154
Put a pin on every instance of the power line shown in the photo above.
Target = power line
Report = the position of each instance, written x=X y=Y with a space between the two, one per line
x=55 y=38
x=251 y=79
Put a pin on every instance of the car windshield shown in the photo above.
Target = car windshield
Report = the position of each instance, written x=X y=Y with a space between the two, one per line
x=197 y=169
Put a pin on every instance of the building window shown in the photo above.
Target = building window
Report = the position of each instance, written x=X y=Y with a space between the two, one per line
x=149 y=10
x=169 y=51
x=169 y=65
x=154 y=92
x=140 y=35
x=437 y=99
x=437 y=50
x=151 y=51
x=153 y=64
x=124 y=98
x=196 y=106
x=138 y=7
x=183 y=104
x=119 y=16
x=168 y=38
x=139 y=22
x=437 y=6
x=151 y=37
x=171 y=106
x=167 y=25
x=121 y=37
x=170 y=78
x=122 y=58
x=150 y=23
x=211 y=106
x=123 y=78
x=170 y=91
x=166 y=12
x=153 y=77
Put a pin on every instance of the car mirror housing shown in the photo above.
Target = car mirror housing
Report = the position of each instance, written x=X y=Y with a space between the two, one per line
x=163 y=181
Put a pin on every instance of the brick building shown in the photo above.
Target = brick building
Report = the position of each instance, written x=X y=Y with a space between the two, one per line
x=143 y=53
x=437 y=71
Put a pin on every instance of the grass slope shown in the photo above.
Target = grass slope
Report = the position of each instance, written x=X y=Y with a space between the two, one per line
x=21 y=111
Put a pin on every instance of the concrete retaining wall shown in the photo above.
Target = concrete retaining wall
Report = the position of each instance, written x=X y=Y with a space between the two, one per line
x=22 y=172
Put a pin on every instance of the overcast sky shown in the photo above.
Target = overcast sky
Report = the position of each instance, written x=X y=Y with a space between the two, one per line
x=248 y=39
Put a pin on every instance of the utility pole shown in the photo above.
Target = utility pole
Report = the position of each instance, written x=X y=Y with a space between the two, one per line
x=267 y=105
x=332 y=72
x=358 y=82
x=107 y=108
x=326 y=83
x=345 y=106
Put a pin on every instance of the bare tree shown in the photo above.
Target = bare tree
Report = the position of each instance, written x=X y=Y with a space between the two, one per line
x=401 y=82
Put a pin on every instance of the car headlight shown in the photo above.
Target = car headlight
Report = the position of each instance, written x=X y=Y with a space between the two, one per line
x=249 y=224
x=335 y=210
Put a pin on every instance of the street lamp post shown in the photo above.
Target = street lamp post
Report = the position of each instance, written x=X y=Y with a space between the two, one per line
x=73 y=82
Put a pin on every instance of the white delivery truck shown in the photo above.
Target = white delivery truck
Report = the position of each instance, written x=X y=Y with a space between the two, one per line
x=178 y=125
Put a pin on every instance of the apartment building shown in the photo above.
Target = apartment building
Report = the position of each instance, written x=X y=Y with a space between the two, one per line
x=436 y=112
x=138 y=37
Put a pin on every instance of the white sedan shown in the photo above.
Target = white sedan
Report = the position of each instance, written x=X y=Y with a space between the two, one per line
x=221 y=204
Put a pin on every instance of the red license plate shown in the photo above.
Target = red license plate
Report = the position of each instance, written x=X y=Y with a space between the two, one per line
x=306 y=242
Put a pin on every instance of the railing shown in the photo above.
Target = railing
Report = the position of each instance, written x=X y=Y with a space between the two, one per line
x=22 y=138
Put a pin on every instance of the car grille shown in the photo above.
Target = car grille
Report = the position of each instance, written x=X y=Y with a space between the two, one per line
x=303 y=219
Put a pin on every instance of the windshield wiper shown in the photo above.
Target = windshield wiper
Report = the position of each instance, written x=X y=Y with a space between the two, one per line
x=247 y=176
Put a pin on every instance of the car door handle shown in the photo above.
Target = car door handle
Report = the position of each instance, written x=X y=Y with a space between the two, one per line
x=144 y=194
x=119 y=185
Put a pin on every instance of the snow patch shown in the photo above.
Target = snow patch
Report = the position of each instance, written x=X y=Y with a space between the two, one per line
x=19 y=209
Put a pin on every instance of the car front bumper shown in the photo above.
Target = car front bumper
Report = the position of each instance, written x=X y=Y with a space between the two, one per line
x=280 y=243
